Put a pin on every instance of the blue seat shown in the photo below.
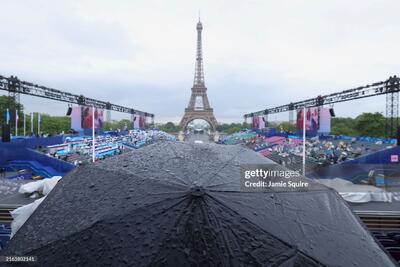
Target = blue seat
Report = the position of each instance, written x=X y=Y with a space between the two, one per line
x=394 y=251
x=377 y=233
x=5 y=231
x=4 y=238
x=389 y=243
x=392 y=234
x=381 y=236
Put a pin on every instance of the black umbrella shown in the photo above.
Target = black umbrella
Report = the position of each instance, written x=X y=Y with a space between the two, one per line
x=180 y=204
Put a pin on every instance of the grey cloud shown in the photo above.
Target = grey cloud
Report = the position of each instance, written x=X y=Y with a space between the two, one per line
x=258 y=54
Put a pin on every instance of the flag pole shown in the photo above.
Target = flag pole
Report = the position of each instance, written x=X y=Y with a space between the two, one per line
x=8 y=116
x=38 y=124
x=16 y=122
x=93 y=138
x=31 y=122
x=304 y=141
x=24 y=123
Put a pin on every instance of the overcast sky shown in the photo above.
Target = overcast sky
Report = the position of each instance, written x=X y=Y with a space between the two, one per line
x=257 y=54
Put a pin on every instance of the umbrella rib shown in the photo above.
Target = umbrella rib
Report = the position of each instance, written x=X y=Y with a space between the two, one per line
x=166 y=181
x=178 y=220
x=217 y=221
x=138 y=177
x=178 y=156
x=104 y=219
x=183 y=184
x=178 y=178
x=234 y=211
x=235 y=233
x=214 y=185
x=196 y=222
x=186 y=215
x=220 y=169
x=293 y=251
x=206 y=218
x=161 y=201
x=266 y=192
x=173 y=150
x=175 y=177
x=184 y=197
x=171 y=192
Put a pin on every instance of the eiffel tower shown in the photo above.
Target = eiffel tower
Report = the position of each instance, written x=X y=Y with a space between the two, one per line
x=199 y=107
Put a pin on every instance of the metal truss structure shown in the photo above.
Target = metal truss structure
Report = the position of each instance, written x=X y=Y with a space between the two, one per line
x=15 y=87
x=392 y=113
x=390 y=88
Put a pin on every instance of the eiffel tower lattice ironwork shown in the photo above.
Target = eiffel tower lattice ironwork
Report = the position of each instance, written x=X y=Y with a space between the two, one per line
x=199 y=107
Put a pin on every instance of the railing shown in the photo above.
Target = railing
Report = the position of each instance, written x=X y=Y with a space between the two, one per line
x=380 y=220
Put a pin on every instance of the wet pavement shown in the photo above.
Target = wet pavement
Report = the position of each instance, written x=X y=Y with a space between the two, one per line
x=198 y=138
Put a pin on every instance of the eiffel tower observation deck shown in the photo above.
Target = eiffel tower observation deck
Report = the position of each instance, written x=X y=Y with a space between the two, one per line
x=199 y=106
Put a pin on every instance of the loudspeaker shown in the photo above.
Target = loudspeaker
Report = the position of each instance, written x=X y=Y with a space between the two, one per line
x=332 y=112
x=398 y=136
x=69 y=111
x=5 y=133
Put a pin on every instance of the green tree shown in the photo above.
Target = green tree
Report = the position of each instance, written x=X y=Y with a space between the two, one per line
x=49 y=124
x=54 y=124
x=366 y=124
x=169 y=127
x=115 y=125
x=232 y=127
x=370 y=124
x=7 y=102
x=343 y=126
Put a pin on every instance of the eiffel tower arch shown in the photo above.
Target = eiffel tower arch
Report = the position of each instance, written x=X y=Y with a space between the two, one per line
x=199 y=106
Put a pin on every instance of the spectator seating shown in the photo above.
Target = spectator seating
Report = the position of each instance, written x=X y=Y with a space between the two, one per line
x=5 y=235
x=32 y=166
x=319 y=153
x=390 y=241
x=79 y=149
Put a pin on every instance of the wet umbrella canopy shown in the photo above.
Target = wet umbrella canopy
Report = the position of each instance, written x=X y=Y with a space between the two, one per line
x=180 y=204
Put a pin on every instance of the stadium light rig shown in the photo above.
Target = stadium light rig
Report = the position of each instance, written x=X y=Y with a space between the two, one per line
x=15 y=87
x=391 y=85
x=390 y=88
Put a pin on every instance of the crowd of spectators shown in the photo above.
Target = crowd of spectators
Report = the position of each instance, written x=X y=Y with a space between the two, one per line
x=288 y=150
x=78 y=149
